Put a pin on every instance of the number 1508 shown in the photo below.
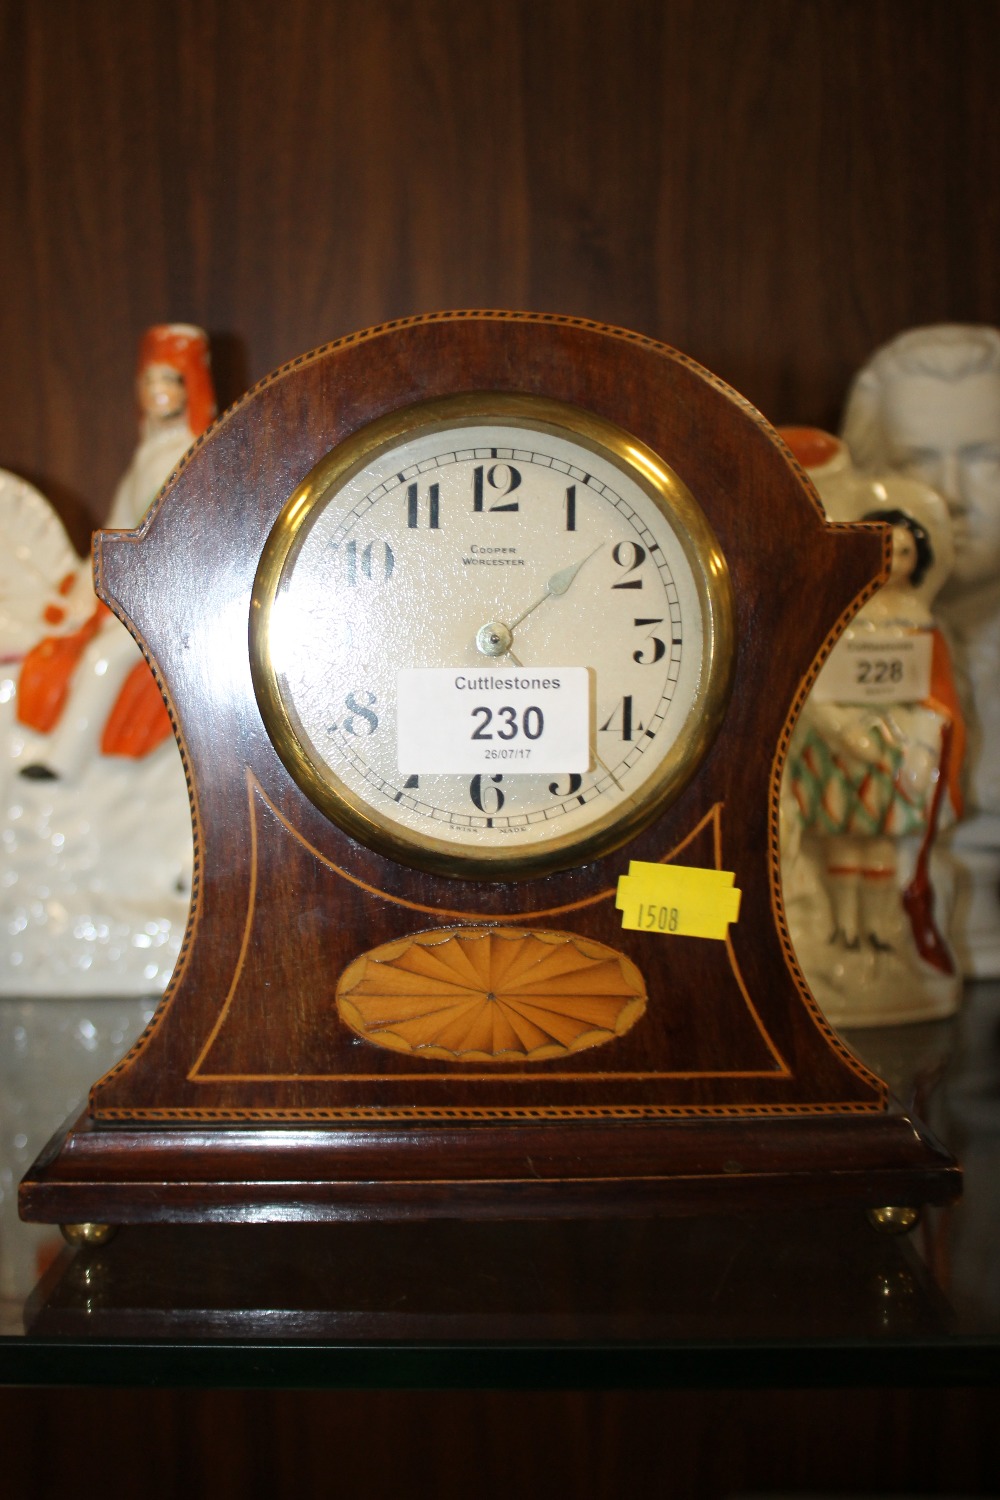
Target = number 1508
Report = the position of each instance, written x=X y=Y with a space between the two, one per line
x=658 y=918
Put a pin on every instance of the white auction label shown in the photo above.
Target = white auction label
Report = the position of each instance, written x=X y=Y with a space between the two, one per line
x=519 y=720
x=872 y=667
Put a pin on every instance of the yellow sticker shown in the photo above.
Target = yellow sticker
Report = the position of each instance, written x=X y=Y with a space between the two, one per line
x=678 y=900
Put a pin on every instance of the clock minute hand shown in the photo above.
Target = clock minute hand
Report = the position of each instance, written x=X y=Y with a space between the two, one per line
x=557 y=584
x=602 y=763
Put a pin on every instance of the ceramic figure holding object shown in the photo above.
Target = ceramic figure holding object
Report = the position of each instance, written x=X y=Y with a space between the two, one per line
x=873 y=773
x=96 y=822
x=88 y=690
x=927 y=405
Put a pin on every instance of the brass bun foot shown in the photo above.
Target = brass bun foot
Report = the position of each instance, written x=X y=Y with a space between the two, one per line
x=899 y=1220
x=86 y=1234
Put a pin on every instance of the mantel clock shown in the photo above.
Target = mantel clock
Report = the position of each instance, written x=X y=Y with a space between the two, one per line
x=483 y=635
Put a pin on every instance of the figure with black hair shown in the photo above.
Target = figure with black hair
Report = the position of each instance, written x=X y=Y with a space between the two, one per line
x=874 y=765
x=927 y=405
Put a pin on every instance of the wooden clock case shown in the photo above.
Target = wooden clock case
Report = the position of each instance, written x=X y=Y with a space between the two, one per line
x=248 y=1098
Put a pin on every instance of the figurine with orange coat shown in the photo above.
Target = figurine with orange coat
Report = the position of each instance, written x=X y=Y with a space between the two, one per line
x=94 y=815
x=89 y=688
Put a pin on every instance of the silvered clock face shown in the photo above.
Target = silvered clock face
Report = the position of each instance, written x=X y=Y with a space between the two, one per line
x=501 y=540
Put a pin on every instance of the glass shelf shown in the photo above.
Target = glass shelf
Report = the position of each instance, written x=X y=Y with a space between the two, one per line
x=813 y=1297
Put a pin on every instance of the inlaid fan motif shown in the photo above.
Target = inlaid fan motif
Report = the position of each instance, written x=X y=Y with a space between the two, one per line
x=484 y=994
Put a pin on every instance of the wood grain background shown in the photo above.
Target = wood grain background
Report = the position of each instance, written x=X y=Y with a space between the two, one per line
x=773 y=186
x=491 y=1445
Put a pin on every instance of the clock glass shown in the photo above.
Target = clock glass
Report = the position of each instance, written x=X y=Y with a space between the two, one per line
x=491 y=636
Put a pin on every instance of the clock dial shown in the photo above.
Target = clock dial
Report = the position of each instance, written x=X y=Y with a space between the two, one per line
x=502 y=541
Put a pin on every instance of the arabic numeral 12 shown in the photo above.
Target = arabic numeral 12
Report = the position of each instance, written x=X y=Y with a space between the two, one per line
x=502 y=479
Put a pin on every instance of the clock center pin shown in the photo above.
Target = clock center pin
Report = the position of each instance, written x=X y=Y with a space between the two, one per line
x=494 y=639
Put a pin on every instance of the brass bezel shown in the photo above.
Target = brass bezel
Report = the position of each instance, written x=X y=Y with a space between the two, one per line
x=708 y=566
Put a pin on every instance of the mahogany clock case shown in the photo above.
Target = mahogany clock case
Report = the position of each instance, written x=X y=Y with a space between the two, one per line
x=249 y=1097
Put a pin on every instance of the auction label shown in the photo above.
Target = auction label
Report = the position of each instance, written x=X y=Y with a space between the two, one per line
x=524 y=721
x=867 y=667
x=678 y=900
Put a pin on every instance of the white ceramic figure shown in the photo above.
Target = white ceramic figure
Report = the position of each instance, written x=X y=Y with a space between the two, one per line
x=872 y=774
x=94 y=816
x=96 y=859
x=176 y=403
x=114 y=706
x=928 y=405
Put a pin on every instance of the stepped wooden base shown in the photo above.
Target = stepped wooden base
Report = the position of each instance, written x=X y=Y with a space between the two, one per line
x=131 y=1175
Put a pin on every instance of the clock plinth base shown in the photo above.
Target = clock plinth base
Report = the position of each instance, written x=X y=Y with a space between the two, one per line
x=298 y=1174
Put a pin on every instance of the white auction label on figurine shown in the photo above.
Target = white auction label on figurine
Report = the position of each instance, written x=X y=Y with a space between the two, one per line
x=873 y=667
x=523 y=721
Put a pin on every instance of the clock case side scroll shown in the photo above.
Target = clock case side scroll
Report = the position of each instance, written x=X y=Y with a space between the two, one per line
x=244 y=1100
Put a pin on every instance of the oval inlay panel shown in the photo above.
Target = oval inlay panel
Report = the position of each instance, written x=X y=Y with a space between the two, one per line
x=487 y=994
